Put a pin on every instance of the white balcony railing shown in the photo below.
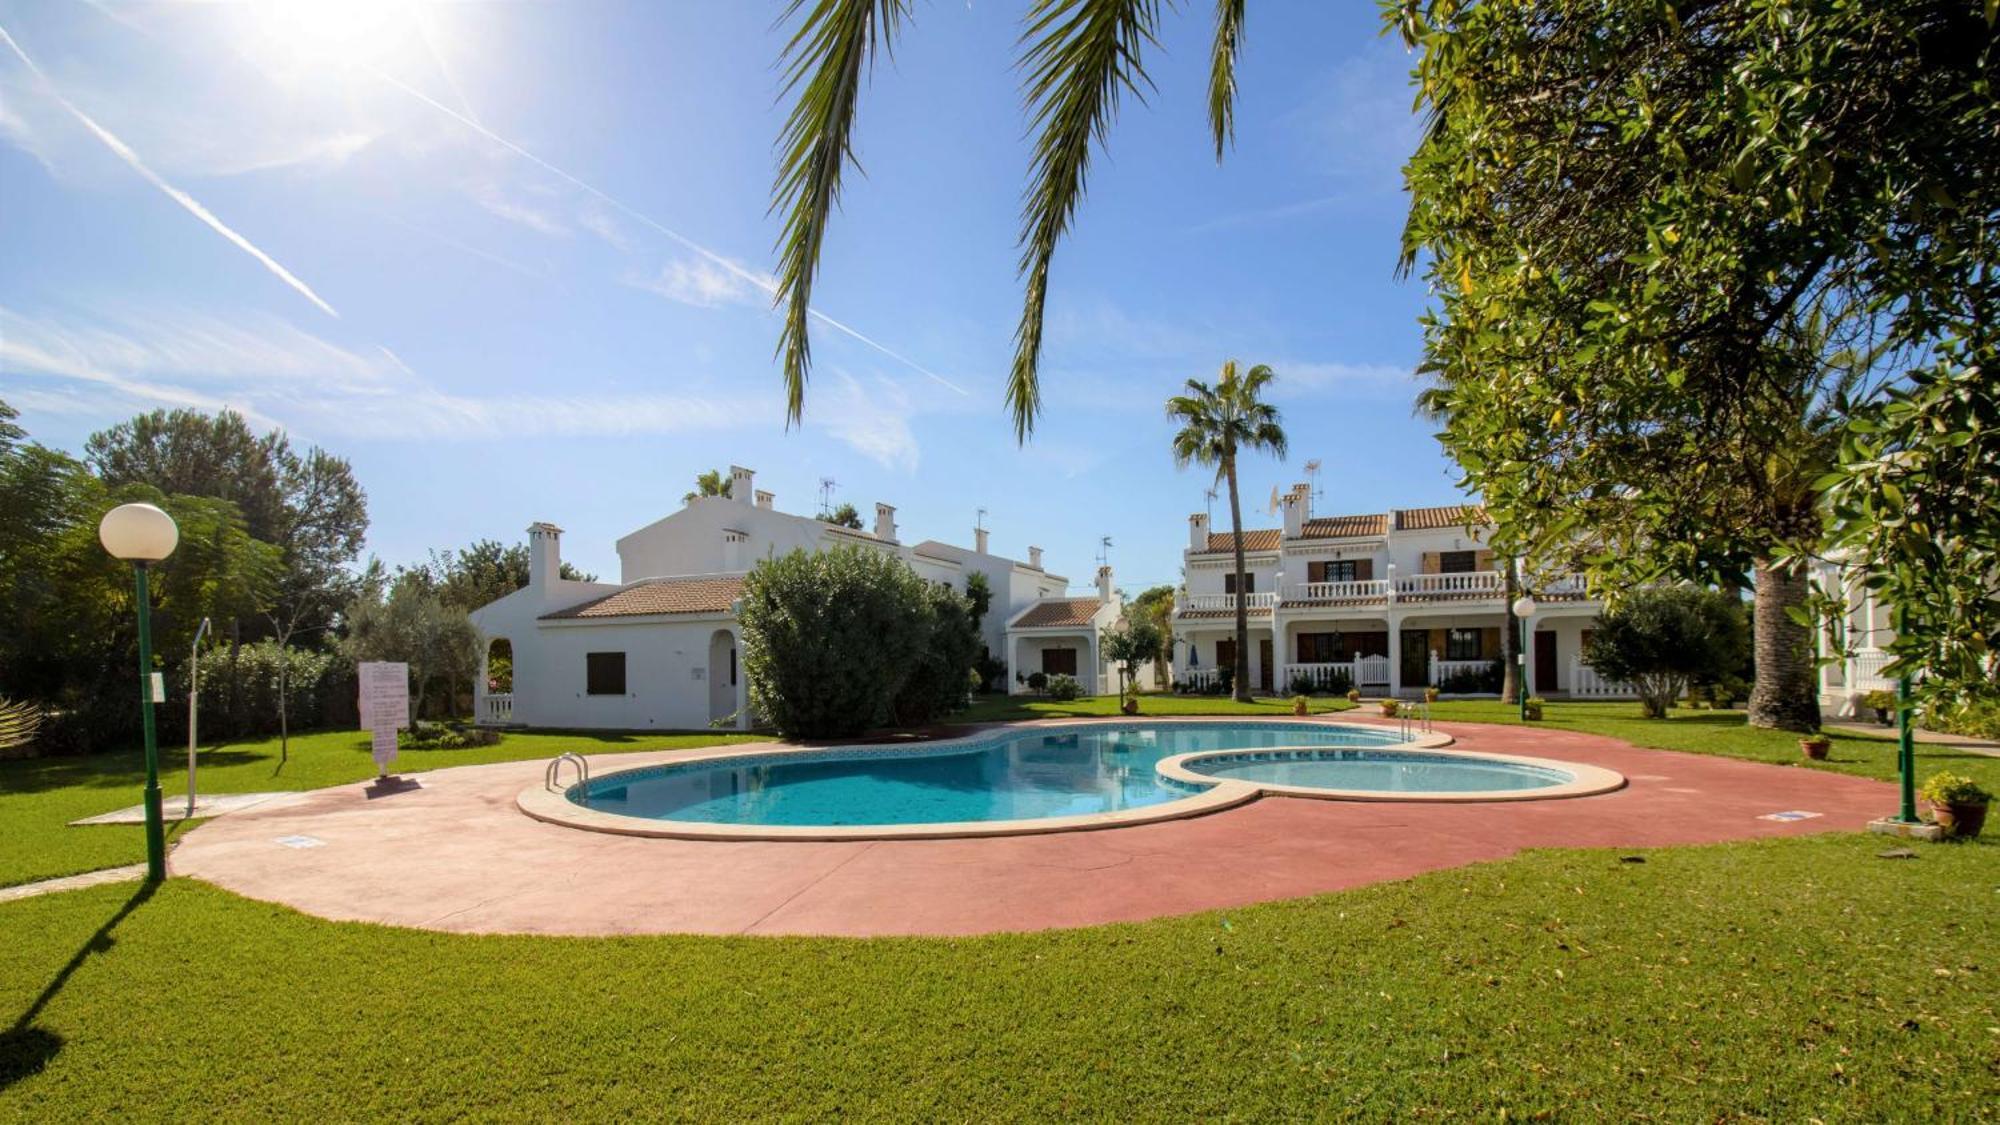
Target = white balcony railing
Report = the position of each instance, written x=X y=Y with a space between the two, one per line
x=1371 y=670
x=1584 y=683
x=499 y=709
x=1477 y=583
x=1867 y=674
x=1209 y=603
x=1442 y=670
x=1377 y=590
x=1201 y=679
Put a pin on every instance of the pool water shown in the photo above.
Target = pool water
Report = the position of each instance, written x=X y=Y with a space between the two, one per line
x=1017 y=775
x=1375 y=771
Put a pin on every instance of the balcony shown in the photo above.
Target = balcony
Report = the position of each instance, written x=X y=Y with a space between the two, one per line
x=1477 y=585
x=499 y=710
x=1352 y=592
x=1225 y=603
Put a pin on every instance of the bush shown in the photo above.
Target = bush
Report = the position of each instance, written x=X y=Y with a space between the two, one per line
x=1038 y=681
x=1475 y=681
x=1954 y=789
x=831 y=640
x=943 y=665
x=445 y=736
x=1976 y=717
x=1063 y=687
x=1333 y=681
x=1661 y=640
x=239 y=690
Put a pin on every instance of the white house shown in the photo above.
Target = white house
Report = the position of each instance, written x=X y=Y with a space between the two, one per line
x=1064 y=635
x=1396 y=600
x=657 y=650
x=1853 y=648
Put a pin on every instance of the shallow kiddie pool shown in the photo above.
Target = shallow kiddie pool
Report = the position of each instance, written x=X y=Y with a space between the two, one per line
x=1041 y=779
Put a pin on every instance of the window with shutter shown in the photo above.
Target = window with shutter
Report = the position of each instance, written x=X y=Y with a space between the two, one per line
x=1456 y=562
x=604 y=673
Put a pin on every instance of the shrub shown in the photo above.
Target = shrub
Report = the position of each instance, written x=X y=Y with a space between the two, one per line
x=445 y=736
x=1954 y=789
x=239 y=690
x=1977 y=717
x=1475 y=681
x=1333 y=681
x=944 y=659
x=1661 y=640
x=1064 y=687
x=831 y=637
x=1038 y=681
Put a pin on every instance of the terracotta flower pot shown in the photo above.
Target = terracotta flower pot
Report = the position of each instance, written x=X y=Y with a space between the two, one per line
x=1960 y=818
x=1300 y=707
x=1130 y=706
x=1815 y=748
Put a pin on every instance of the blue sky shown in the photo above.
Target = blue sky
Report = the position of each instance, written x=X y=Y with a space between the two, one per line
x=505 y=257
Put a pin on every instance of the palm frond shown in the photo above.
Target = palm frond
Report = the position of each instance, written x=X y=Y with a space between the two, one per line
x=19 y=722
x=824 y=63
x=1222 y=73
x=1078 y=56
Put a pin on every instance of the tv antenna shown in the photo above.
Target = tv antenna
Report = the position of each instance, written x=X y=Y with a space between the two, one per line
x=1104 y=551
x=1211 y=494
x=1312 y=475
x=826 y=487
x=979 y=521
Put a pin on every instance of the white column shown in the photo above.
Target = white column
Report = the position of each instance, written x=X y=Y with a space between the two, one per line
x=742 y=680
x=1395 y=657
x=1278 y=671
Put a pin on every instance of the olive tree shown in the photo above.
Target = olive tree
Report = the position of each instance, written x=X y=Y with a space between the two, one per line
x=1661 y=640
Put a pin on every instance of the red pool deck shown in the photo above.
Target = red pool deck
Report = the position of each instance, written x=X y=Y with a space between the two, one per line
x=458 y=855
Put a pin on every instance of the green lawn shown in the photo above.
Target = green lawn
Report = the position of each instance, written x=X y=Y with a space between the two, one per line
x=1006 y=708
x=39 y=797
x=1782 y=980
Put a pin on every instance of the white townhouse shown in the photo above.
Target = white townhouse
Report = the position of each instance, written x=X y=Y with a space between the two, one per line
x=1064 y=635
x=1396 y=600
x=1853 y=648
x=657 y=650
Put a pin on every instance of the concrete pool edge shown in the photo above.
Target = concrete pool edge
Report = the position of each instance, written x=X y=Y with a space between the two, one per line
x=553 y=806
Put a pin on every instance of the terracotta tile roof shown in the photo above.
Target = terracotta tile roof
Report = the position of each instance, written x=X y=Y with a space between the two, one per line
x=665 y=595
x=1258 y=539
x=1221 y=614
x=1439 y=519
x=1344 y=527
x=1059 y=611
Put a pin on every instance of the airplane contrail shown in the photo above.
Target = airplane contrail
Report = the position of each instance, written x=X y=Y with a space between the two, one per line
x=720 y=261
x=193 y=206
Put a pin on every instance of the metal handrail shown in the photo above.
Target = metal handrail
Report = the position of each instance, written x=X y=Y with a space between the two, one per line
x=553 y=774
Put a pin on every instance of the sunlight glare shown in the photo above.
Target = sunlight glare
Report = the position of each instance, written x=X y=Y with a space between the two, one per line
x=318 y=37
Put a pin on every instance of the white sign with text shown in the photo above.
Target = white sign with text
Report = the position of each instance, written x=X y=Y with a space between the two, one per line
x=385 y=706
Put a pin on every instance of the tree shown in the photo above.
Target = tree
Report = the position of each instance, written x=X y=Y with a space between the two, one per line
x=830 y=638
x=412 y=624
x=844 y=515
x=1216 y=423
x=1078 y=57
x=941 y=672
x=1660 y=640
x=1657 y=233
x=710 y=483
x=1156 y=605
x=1135 y=641
x=485 y=572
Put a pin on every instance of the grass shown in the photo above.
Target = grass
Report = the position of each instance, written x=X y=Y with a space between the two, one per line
x=1785 y=980
x=40 y=796
x=1008 y=708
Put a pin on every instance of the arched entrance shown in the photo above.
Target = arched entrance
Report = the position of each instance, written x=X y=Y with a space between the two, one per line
x=723 y=676
x=493 y=690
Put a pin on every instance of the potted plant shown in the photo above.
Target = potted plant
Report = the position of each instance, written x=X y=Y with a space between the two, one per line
x=1815 y=746
x=1430 y=695
x=1534 y=708
x=1129 y=704
x=1354 y=695
x=1300 y=704
x=1389 y=708
x=1958 y=804
x=1883 y=703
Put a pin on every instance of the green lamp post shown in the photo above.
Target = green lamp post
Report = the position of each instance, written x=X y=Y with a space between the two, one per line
x=142 y=535
x=1524 y=608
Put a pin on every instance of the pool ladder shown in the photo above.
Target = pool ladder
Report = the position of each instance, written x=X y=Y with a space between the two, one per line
x=552 y=776
x=1414 y=718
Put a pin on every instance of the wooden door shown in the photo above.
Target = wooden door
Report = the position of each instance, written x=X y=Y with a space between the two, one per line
x=1059 y=661
x=1545 y=662
x=1416 y=658
x=1264 y=672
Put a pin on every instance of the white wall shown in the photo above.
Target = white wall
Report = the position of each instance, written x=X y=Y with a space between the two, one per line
x=667 y=674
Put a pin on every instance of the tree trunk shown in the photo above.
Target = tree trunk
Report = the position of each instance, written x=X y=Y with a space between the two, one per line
x=1785 y=695
x=1242 y=599
x=1510 y=637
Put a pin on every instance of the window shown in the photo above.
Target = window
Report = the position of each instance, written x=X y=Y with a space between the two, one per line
x=1320 y=648
x=1458 y=562
x=1461 y=644
x=732 y=665
x=1059 y=661
x=1249 y=582
x=604 y=673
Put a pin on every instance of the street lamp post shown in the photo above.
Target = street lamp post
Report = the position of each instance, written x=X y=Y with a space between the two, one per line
x=142 y=534
x=1524 y=608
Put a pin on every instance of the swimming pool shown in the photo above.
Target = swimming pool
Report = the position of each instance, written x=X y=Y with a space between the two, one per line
x=1033 y=778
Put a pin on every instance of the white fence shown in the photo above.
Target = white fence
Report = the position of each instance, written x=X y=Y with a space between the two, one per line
x=1376 y=590
x=499 y=709
x=1213 y=602
x=1587 y=684
x=1867 y=674
x=1442 y=670
x=1478 y=583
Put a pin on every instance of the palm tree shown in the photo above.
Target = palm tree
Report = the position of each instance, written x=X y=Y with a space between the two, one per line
x=1077 y=57
x=710 y=483
x=1434 y=405
x=1216 y=423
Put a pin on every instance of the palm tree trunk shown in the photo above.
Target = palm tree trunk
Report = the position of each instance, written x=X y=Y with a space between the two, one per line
x=1784 y=696
x=1242 y=687
x=1510 y=637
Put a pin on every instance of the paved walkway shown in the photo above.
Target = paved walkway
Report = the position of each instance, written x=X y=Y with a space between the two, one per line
x=1923 y=737
x=175 y=808
x=96 y=878
x=457 y=855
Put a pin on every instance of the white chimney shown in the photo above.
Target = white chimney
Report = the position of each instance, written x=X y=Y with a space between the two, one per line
x=1295 y=513
x=1104 y=586
x=544 y=555
x=979 y=540
x=732 y=550
x=885 y=522
x=740 y=488
x=765 y=500
x=1035 y=558
x=1198 y=532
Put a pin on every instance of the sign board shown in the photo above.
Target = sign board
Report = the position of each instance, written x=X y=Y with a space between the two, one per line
x=157 y=681
x=385 y=706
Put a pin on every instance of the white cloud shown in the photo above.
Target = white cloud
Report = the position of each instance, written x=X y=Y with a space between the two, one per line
x=873 y=420
x=497 y=202
x=702 y=283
